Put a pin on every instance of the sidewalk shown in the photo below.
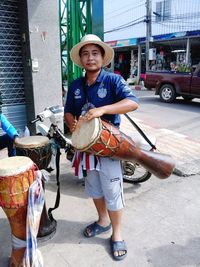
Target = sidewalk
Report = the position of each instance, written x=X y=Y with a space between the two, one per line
x=160 y=223
x=185 y=152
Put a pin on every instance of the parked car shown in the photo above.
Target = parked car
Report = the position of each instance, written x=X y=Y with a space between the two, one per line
x=168 y=85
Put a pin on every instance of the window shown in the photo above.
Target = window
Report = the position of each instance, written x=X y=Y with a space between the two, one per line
x=163 y=10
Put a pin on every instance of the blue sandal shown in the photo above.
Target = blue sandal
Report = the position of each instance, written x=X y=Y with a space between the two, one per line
x=95 y=229
x=118 y=246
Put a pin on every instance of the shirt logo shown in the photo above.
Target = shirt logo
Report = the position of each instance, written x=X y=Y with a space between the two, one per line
x=77 y=91
x=102 y=92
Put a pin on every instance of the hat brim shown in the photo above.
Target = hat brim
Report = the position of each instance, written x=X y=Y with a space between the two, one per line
x=108 y=56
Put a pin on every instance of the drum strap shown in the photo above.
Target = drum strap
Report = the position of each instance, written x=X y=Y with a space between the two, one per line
x=140 y=131
x=57 y=202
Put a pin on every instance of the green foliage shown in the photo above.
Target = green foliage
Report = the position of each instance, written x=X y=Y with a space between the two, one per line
x=184 y=68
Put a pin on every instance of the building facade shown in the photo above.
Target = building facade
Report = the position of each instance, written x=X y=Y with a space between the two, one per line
x=174 y=33
x=30 y=62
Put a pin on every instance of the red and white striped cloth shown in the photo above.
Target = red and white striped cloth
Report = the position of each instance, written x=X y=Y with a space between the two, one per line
x=83 y=162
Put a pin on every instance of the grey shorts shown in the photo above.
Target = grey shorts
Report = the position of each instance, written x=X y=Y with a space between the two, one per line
x=107 y=183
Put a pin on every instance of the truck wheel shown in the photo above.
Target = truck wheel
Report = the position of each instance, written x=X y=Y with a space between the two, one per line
x=167 y=93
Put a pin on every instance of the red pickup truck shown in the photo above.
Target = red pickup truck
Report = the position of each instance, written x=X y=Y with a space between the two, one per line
x=169 y=85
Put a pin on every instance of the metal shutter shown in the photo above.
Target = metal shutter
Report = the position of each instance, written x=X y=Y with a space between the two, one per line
x=11 y=67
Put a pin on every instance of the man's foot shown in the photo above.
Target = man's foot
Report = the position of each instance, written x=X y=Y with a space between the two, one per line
x=118 y=249
x=95 y=229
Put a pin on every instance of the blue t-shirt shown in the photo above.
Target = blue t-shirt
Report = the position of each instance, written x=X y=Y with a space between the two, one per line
x=7 y=127
x=108 y=88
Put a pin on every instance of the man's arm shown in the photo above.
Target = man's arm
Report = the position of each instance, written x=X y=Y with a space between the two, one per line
x=71 y=121
x=121 y=107
x=8 y=127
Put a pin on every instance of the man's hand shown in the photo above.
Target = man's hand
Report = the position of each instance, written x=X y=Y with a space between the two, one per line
x=93 y=113
x=71 y=121
x=73 y=126
x=15 y=140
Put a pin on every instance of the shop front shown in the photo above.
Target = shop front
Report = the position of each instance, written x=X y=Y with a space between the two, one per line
x=181 y=49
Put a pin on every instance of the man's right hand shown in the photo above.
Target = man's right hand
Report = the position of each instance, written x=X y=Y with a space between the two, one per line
x=73 y=126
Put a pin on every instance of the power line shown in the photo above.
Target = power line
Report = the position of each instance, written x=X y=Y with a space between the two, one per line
x=128 y=25
x=123 y=12
x=121 y=8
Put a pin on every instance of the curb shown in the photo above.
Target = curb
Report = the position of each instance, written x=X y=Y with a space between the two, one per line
x=138 y=87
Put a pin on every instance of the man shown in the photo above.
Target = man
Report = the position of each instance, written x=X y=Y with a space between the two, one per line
x=105 y=95
x=173 y=66
x=8 y=139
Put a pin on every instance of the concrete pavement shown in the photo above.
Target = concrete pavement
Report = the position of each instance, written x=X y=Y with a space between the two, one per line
x=160 y=223
x=185 y=152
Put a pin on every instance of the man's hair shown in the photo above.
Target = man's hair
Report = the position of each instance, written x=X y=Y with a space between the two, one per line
x=100 y=48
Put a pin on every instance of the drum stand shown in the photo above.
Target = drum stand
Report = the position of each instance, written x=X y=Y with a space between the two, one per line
x=48 y=225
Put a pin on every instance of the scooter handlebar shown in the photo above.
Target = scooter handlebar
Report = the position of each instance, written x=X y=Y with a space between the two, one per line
x=39 y=118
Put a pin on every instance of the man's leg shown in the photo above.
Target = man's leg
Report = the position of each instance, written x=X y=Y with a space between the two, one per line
x=93 y=189
x=116 y=218
x=112 y=186
x=103 y=218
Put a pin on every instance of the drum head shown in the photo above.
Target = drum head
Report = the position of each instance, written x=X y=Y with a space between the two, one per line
x=14 y=165
x=32 y=141
x=87 y=134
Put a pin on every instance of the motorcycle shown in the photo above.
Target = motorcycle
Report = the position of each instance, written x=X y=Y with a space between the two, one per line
x=132 y=172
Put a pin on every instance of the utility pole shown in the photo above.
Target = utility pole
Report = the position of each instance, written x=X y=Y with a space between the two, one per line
x=148 y=30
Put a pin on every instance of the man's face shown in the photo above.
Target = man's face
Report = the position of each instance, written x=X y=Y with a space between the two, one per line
x=91 y=57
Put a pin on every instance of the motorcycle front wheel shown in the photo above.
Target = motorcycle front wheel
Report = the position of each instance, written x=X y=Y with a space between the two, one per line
x=134 y=173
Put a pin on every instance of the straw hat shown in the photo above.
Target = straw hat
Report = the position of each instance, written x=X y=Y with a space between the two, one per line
x=91 y=39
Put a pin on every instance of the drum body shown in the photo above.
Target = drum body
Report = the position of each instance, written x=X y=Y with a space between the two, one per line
x=16 y=176
x=99 y=138
x=104 y=139
x=37 y=148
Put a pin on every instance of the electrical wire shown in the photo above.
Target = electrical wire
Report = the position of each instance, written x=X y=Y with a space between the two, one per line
x=186 y=20
x=123 y=12
x=121 y=8
x=127 y=25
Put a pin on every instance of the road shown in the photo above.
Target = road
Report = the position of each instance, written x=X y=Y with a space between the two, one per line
x=181 y=117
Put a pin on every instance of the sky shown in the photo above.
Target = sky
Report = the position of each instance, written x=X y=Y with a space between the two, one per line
x=124 y=19
x=121 y=12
